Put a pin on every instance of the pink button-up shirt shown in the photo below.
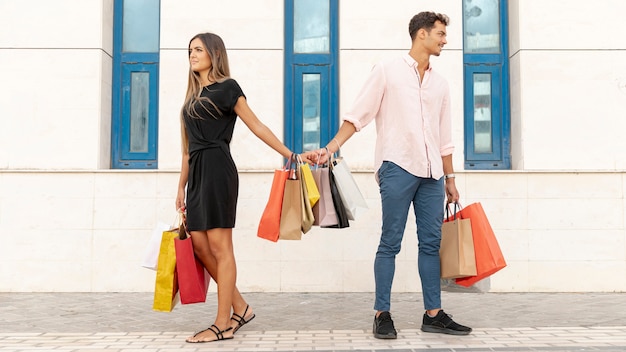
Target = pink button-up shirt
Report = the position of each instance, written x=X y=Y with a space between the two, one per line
x=413 y=120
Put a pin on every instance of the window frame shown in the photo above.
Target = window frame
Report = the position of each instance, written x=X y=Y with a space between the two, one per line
x=124 y=64
x=295 y=64
x=498 y=66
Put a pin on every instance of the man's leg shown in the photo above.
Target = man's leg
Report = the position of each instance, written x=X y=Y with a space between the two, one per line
x=429 y=206
x=397 y=188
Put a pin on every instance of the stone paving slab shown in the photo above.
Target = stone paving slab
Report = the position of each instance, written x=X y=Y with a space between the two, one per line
x=513 y=339
x=125 y=322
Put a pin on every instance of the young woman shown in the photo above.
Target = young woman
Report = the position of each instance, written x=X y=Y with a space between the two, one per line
x=212 y=104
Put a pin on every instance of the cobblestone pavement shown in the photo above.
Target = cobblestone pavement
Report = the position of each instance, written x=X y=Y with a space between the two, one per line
x=299 y=322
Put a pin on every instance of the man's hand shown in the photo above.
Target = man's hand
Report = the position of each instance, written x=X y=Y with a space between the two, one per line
x=452 y=194
x=318 y=156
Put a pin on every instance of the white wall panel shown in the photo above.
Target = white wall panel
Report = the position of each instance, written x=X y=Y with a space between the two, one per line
x=571 y=110
x=380 y=25
x=102 y=221
x=51 y=117
x=241 y=23
x=173 y=72
x=53 y=24
x=566 y=24
x=260 y=75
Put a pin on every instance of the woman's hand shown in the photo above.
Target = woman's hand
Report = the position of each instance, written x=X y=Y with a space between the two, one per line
x=180 y=200
x=319 y=156
x=307 y=158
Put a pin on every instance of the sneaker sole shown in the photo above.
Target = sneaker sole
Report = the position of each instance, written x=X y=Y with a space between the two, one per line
x=385 y=337
x=435 y=329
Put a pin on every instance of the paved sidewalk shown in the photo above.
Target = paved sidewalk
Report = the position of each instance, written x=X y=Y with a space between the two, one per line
x=300 y=322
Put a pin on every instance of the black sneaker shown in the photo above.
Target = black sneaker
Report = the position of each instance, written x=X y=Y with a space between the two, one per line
x=383 y=327
x=443 y=323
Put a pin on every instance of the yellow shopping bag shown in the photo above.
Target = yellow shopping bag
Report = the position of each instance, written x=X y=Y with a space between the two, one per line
x=311 y=187
x=166 y=284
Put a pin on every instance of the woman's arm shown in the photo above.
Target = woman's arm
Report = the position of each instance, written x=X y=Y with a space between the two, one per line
x=182 y=182
x=258 y=128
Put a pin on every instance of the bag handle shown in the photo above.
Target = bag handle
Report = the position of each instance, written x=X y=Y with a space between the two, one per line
x=294 y=167
x=457 y=207
x=319 y=155
x=181 y=223
x=288 y=165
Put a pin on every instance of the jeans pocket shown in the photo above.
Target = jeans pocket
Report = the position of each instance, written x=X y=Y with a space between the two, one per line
x=381 y=170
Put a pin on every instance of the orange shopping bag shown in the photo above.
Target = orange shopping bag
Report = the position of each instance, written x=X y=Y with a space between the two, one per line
x=489 y=258
x=269 y=226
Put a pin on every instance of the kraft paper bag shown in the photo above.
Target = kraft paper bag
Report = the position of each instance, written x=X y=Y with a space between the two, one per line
x=457 y=249
x=291 y=212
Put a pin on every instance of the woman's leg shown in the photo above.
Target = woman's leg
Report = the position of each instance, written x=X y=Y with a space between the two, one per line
x=203 y=252
x=214 y=248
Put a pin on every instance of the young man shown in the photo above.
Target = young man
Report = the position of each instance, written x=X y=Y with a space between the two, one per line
x=410 y=103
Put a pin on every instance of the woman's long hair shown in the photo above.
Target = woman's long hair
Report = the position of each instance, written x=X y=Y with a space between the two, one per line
x=218 y=72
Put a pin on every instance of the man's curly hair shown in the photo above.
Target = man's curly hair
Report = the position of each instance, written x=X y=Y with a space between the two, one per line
x=427 y=21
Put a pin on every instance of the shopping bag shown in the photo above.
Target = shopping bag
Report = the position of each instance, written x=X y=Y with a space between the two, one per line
x=166 y=283
x=151 y=254
x=489 y=258
x=305 y=204
x=291 y=212
x=324 y=210
x=457 y=247
x=450 y=285
x=348 y=189
x=340 y=209
x=313 y=194
x=269 y=226
x=193 y=278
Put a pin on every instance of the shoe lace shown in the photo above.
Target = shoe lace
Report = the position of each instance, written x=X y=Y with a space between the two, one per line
x=384 y=318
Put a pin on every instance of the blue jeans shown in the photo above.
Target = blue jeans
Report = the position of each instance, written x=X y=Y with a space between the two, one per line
x=398 y=189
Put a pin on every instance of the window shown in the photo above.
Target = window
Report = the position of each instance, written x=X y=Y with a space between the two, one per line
x=135 y=88
x=486 y=85
x=311 y=74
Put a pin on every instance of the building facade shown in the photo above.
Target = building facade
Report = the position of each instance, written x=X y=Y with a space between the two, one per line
x=538 y=94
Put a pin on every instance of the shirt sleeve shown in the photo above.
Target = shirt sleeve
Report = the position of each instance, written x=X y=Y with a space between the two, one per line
x=368 y=101
x=445 y=126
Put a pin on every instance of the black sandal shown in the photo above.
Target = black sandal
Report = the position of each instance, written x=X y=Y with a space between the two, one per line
x=241 y=321
x=218 y=333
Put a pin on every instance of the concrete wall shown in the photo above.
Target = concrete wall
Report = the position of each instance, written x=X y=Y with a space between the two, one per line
x=559 y=214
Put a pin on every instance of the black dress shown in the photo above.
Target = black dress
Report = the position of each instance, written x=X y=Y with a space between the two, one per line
x=213 y=183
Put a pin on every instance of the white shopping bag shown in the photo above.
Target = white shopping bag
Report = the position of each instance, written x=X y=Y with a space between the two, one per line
x=151 y=255
x=348 y=189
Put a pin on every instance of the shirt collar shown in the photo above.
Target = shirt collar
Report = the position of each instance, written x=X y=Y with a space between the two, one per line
x=412 y=63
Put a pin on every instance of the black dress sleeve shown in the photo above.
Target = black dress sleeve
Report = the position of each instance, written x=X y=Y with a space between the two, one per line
x=234 y=92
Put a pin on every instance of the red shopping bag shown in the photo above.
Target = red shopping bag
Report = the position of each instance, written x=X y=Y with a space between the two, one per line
x=489 y=258
x=193 y=278
x=269 y=226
